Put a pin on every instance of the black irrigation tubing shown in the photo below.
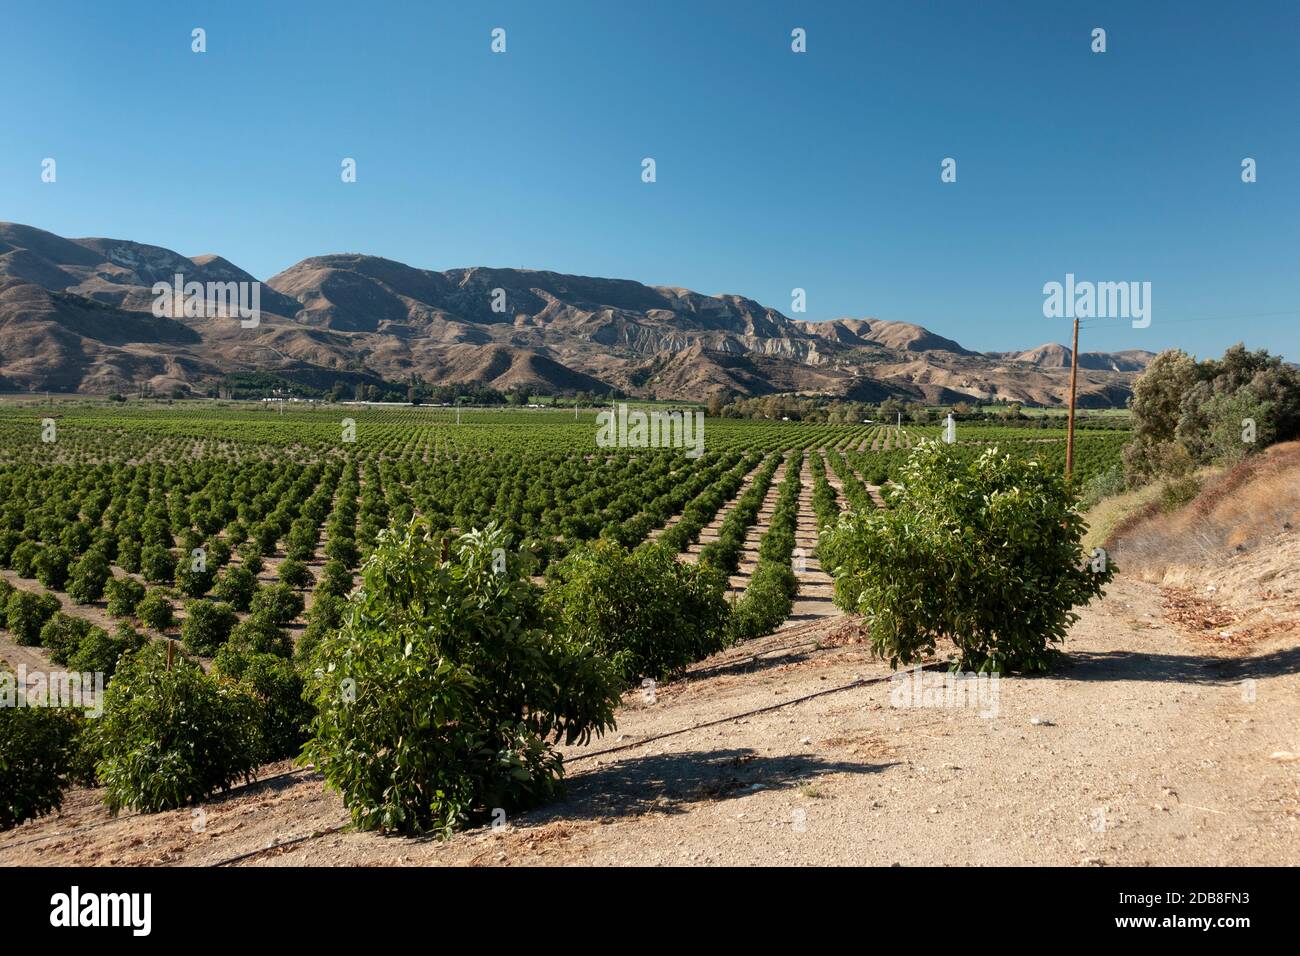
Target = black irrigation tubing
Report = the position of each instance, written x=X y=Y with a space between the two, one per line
x=292 y=841
x=128 y=816
x=720 y=665
x=860 y=682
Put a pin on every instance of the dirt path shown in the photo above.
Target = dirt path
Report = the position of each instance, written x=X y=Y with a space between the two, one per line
x=816 y=588
x=712 y=526
x=1150 y=747
x=739 y=581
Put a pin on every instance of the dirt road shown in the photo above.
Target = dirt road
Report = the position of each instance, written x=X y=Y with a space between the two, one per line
x=1153 y=746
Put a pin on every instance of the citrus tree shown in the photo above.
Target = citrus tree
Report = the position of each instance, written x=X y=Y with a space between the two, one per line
x=984 y=551
x=438 y=696
x=173 y=735
x=646 y=612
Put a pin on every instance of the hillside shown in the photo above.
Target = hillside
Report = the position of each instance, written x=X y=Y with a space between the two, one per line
x=75 y=315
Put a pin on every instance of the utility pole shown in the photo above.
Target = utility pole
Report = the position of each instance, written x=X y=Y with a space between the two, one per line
x=1074 y=377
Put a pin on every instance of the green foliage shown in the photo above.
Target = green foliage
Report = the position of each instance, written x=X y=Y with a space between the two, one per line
x=1176 y=492
x=237 y=586
x=284 y=714
x=258 y=634
x=158 y=564
x=27 y=614
x=156 y=611
x=437 y=696
x=1104 y=484
x=124 y=596
x=23 y=558
x=294 y=573
x=768 y=599
x=37 y=750
x=168 y=738
x=207 y=625
x=1188 y=413
x=89 y=576
x=52 y=567
x=63 y=634
x=326 y=615
x=644 y=611
x=985 y=552
x=195 y=581
x=277 y=602
x=99 y=652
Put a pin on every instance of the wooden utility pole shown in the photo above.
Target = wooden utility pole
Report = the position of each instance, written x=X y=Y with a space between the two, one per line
x=1074 y=377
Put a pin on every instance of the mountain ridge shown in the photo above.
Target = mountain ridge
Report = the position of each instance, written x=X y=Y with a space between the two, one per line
x=359 y=318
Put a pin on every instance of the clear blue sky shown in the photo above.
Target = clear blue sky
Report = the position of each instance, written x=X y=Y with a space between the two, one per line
x=775 y=170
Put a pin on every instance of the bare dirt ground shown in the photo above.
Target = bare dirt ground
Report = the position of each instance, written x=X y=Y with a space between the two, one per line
x=1155 y=744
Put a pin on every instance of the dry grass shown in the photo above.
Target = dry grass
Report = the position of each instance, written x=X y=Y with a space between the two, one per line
x=1252 y=503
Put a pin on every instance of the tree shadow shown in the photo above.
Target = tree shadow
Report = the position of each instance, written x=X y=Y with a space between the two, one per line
x=668 y=783
x=1176 y=668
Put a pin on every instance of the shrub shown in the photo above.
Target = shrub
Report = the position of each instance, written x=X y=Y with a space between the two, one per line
x=207 y=625
x=52 y=567
x=1104 y=484
x=158 y=564
x=99 y=651
x=27 y=614
x=336 y=579
x=294 y=573
x=195 y=581
x=129 y=550
x=1177 y=492
x=326 y=615
x=173 y=737
x=154 y=610
x=37 y=750
x=237 y=586
x=984 y=551
x=258 y=634
x=644 y=611
x=250 y=557
x=277 y=602
x=23 y=558
x=124 y=596
x=89 y=575
x=63 y=634
x=284 y=715
x=437 y=696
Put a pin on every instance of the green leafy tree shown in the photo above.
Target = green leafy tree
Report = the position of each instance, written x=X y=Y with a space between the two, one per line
x=171 y=737
x=437 y=697
x=89 y=576
x=27 y=614
x=37 y=751
x=207 y=625
x=52 y=567
x=294 y=573
x=158 y=564
x=277 y=602
x=99 y=651
x=155 y=611
x=284 y=714
x=237 y=586
x=124 y=595
x=646 y=612
x=984 y=551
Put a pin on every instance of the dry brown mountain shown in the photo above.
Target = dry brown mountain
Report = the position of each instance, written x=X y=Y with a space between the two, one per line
x=76 y=315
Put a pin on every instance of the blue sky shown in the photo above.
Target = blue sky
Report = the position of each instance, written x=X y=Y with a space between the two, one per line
x=775 y=170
